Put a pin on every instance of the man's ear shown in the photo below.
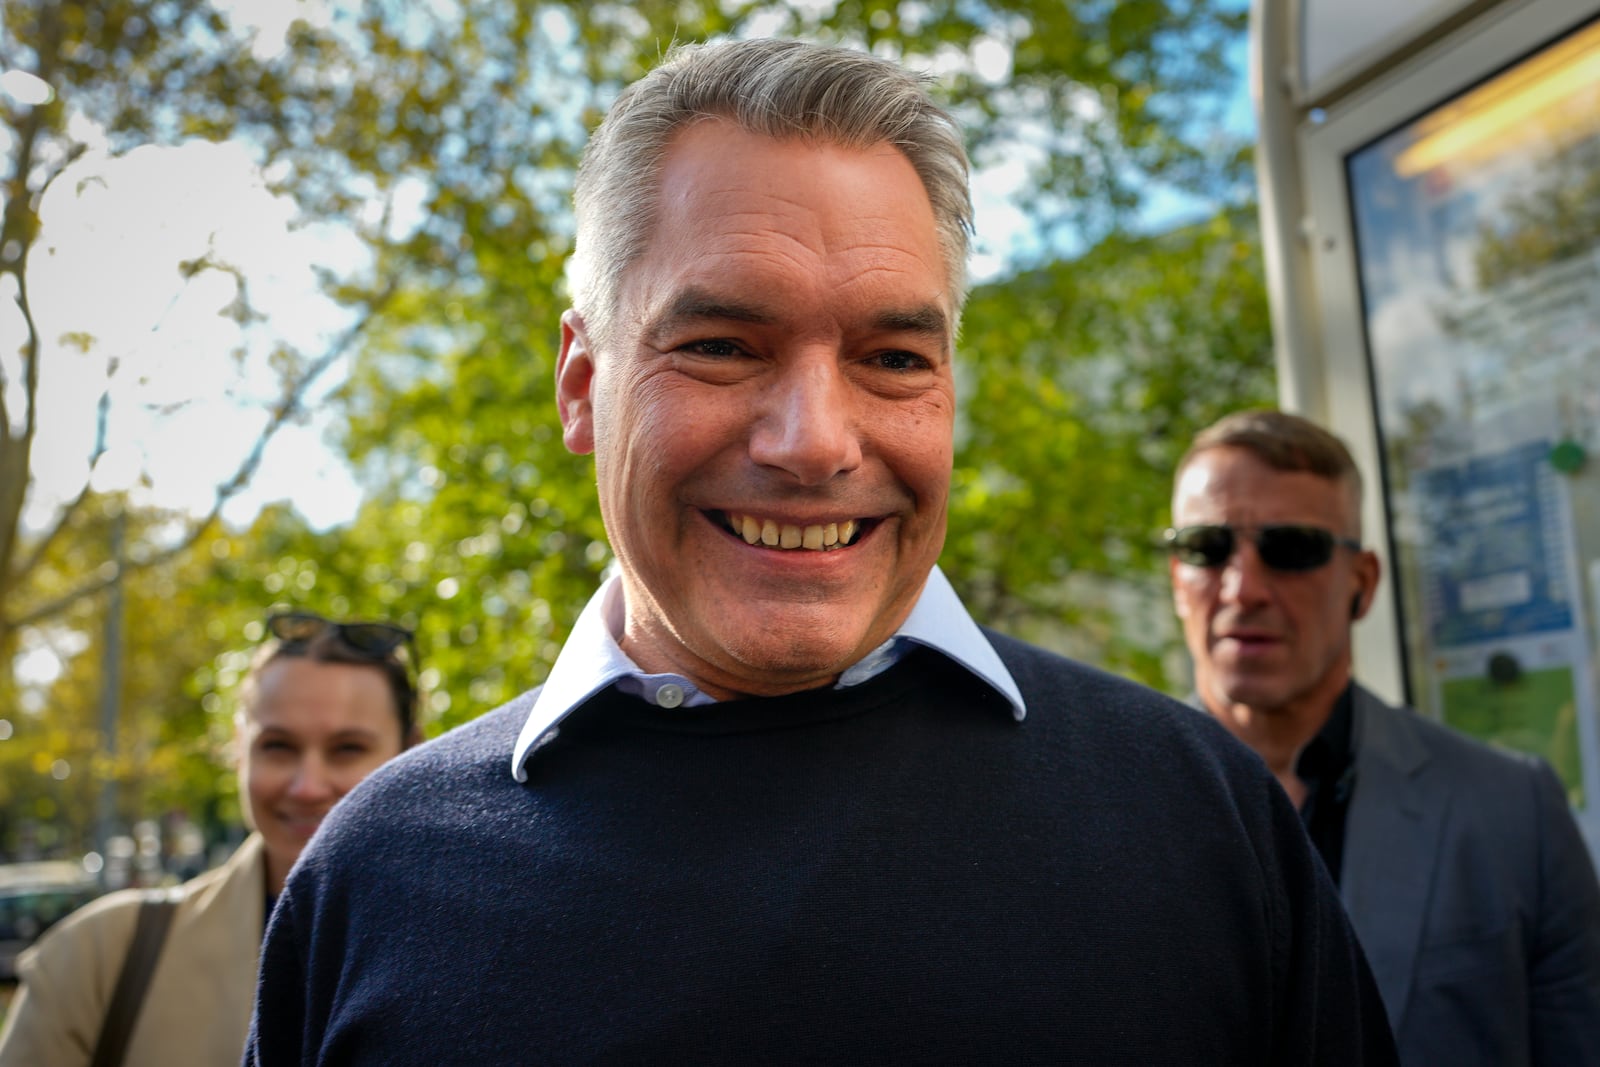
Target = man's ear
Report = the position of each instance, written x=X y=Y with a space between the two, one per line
x=574 y=381
x=1368 y=572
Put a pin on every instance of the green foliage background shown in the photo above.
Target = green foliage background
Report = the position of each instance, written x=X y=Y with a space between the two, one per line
x=1082 y=374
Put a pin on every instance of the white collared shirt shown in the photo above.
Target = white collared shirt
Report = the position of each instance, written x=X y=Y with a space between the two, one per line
x=592 y=659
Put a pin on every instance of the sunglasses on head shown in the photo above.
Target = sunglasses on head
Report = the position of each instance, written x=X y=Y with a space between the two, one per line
x=377 y=639
x=1283 y=548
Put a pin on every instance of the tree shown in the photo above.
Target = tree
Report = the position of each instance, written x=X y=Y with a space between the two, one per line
x=443 y=139
x=452 y=407
x=84 y=84
x=128 y=73
x=1084 y=383
x=181 y=631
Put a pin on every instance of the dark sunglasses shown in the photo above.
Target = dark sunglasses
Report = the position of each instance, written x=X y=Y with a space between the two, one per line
x=1283 y=548
x=376 y=639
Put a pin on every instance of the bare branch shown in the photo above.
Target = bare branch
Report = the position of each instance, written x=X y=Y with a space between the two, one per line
x=73 y=155
x=5 y=409
x=102 y=418
x=18 y=230
x=285 y=410
x=30 y=363
x=16 y=453
x=30 y=356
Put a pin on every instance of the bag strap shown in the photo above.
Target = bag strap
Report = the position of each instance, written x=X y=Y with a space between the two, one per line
x=149 y=934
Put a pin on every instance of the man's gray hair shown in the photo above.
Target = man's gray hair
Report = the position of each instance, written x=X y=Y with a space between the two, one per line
x=777 y=88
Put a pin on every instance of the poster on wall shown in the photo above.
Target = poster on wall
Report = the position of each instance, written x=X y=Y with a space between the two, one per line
x=1498 y=601
x=1478 y=245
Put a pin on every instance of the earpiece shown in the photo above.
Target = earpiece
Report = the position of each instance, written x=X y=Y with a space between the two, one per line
x=1355 y=607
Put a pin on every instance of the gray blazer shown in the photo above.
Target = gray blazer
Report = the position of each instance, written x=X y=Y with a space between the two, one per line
x=1473 y=895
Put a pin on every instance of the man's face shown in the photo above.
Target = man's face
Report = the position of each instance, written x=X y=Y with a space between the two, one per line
x=780 y=371
x=1268 y=640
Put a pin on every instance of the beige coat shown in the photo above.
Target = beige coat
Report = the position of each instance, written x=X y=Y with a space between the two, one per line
x=197 y=1007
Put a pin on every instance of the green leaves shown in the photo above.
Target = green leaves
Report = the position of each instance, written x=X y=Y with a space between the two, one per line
x=443 y=142
x=1084 y=382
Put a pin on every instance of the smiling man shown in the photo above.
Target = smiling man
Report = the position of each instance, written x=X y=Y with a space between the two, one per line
x=771 y=412
x=1463 y=870
x=781 y=800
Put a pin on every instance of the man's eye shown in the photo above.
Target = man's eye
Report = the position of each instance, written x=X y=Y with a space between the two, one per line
x=903 y=361
x=716 y=349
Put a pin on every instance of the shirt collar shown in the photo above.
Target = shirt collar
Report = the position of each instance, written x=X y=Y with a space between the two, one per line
x=591 y=659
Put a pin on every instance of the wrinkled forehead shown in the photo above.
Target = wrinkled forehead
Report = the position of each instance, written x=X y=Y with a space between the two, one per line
x=714 y=173
x=745 y=216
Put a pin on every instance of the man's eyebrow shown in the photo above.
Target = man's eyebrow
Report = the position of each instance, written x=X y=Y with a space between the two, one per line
x=928 y=319
x=701 y=305
x=697 y=304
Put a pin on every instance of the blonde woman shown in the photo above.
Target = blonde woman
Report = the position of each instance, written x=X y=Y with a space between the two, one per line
x=323 y=705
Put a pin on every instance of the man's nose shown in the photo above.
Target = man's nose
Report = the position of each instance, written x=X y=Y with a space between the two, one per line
x=1245 y=579
x=807 y=426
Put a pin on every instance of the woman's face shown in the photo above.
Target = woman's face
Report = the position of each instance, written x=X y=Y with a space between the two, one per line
x=307 y=734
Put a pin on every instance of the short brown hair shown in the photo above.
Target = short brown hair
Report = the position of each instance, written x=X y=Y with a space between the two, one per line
x=1283 y=442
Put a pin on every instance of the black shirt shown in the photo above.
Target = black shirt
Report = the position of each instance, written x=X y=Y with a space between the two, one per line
x=1327 y=766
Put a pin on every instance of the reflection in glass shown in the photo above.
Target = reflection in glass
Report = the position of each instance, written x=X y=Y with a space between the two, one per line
x=1478 y=243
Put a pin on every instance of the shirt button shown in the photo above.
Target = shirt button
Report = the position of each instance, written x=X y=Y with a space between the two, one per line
x=669 y=695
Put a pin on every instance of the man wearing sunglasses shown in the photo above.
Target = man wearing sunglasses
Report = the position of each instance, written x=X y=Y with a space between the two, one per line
x=1461 y=866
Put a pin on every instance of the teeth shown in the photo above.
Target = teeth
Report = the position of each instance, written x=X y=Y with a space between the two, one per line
x=816 y=538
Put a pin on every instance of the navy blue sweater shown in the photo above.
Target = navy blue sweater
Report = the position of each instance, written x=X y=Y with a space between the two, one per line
x=895 y=873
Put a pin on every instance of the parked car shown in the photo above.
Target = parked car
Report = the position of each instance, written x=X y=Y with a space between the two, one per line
x=34 y=897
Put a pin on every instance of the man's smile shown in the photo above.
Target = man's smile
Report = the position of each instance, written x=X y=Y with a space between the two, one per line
x=816 y=537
